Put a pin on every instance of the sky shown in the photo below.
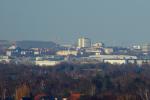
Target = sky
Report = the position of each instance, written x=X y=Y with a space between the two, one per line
x=114 y=22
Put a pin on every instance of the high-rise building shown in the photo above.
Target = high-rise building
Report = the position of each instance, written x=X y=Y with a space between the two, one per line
x=146 y=48
x=84 y=42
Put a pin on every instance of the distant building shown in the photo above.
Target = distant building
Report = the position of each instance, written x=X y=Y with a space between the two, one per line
x=116 y=61
x=18 y=52
x=67 y=52
x=48 y=60
x=136 y=47
x=94 y=51
x=104 y=57
x=13 y=52
x=98 y=45
x=4 y=59
x=120 y=50
x=46 y=63
x=84 y=42
x=12 y=47
x=142 y=61
x=36 y=51
x=27 y=52
x=127 y=61
x=145 y=48
x=108 y=50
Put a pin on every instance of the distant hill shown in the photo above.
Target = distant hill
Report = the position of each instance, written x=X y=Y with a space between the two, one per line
x=5 y=43
x=36 y=44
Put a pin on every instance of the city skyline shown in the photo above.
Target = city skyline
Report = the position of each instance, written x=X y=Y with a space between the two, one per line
x=112 y=22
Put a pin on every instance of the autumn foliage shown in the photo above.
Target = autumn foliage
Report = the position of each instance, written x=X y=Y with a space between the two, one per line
x=22 y=91
x=76 y=81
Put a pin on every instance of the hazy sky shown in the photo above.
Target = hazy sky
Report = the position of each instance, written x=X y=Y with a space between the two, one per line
x=111 y=21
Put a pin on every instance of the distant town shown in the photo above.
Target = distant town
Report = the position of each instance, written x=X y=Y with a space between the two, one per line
x=84 y=52
x=41 y=70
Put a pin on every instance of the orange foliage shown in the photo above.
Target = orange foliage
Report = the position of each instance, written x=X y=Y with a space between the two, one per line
x=75 y=96
x=22 y=91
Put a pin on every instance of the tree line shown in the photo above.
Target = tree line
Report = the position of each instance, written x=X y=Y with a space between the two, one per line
x=93 y=81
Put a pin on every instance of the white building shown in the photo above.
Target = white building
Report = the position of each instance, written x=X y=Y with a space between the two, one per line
x=108 y=57
x=84 y=43
x=127 y=61
x=67 y=52
x=145 y=48
x=116 y=61
x=4 y=59
x=108 y=50
x=136 y=47
x=98 y=45
x=95 y=51
x=46 y=63
x=12 y=47
x=48 y=60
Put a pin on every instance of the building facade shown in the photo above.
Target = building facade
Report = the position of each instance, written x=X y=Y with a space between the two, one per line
x=84 y=43
x=145 y=48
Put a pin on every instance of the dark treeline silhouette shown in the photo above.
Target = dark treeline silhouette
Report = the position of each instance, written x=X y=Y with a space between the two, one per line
x=92 y=81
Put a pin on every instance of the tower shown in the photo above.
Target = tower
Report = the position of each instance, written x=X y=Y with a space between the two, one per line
x=84 y=42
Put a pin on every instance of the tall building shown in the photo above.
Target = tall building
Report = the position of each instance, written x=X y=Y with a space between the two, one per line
x=146 y=48
x=84 y=42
